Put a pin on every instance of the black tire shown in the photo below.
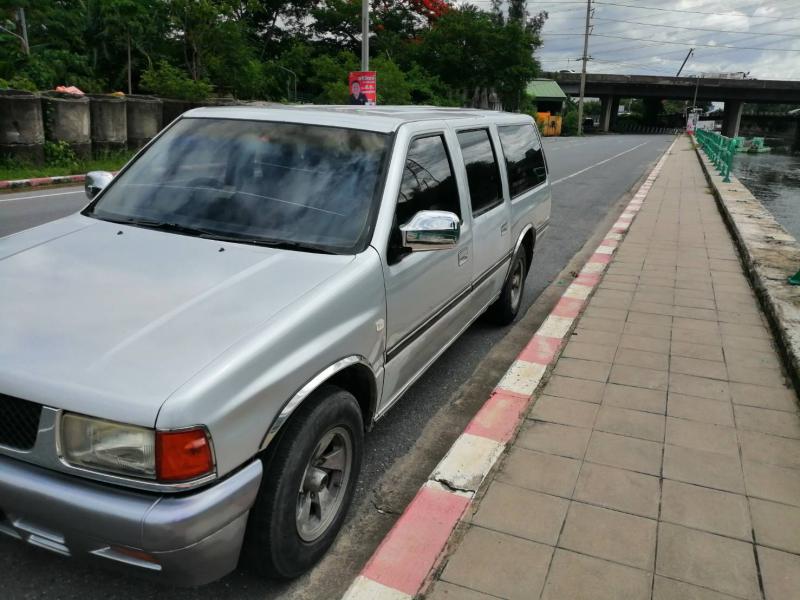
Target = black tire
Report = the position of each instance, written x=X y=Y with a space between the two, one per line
x=506 y=307
x=273 y=545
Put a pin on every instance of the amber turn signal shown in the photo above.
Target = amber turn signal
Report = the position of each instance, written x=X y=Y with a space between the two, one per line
x=183 y=455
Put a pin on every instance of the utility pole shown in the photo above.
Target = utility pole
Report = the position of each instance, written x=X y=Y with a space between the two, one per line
x=583 y=68
x=684 y=62
x=696 y=87
x=23 y=25
x=365 y=35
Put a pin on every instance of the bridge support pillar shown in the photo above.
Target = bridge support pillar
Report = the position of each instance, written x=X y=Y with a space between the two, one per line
x=732 y=117
x=609 y=107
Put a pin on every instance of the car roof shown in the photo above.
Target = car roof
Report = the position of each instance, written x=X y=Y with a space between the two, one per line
x=384 y=119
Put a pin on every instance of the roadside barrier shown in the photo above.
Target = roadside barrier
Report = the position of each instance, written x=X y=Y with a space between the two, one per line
x=719 y=149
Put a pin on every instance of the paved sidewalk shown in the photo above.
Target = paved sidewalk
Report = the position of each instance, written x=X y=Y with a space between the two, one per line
x=662 y=458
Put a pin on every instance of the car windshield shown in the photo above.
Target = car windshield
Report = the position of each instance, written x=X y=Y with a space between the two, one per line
x=302 y=186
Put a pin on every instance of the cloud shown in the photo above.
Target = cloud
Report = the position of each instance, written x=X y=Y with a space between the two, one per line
x=651 y=42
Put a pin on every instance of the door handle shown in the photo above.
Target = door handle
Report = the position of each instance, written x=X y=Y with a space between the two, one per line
x=463 y=256
x=504 y=229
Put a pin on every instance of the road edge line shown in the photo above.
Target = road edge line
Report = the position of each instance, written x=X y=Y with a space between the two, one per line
x=400 y=566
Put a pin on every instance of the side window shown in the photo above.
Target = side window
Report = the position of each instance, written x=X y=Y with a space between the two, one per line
x=483 y=175
x=524 y=157
x=428 y=182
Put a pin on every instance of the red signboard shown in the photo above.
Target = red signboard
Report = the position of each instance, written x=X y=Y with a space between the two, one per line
x=363 y=88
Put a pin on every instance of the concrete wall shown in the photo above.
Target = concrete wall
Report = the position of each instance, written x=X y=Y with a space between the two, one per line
x=109 y=123
x=21 y=127
x=145 y=117
x=67 y=118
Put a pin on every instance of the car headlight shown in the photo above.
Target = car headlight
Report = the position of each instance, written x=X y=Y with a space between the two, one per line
x=168 y=456
x=107 y=446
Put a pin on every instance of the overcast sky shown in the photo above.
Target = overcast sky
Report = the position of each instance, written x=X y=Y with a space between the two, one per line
x=655 y=42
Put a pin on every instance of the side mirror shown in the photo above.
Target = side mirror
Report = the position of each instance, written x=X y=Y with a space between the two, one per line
x=431 y=230
x=96 y=181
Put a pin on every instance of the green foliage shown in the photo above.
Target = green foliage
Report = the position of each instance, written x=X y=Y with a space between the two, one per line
x=19 y=82
x=425 y=51
x=569 y=123
x=59 y=154
x=170 y=82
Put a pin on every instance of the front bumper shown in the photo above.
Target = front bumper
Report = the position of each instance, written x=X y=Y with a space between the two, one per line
x=188 y=539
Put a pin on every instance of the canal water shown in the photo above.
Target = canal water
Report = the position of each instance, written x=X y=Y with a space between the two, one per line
x=774 y=179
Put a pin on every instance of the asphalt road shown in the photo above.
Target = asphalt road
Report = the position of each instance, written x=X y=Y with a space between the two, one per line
x=590 y=176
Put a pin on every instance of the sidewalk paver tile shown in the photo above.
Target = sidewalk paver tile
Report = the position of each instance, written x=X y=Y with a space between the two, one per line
x=643 y=342
x=448 y=591
x=709 y=469
x=499 y=564
x=633 y=423
x=624 y=452
x=702 y=436
x=707 y=560
x=704 y=410
x=602 y=324
x=589 y=351
x=552 y=438
x=601 y=312
x=776 y=525
x=620 y=489
x=780 y=572
x=703 y=508
x=671 y=589
x=699 y=367
x=751 y=331
x=579 y=577
x=772 y=483
x=583 y=369
x=764 y=397
x=699 y=386
x=698 y=325
x=751 y=358
x=532 y=515
x=641 y=358
x=774 y=422
x=761 y=447
x=650 y=379
x=766 y=376
x=540 y=472
x=697 y=337
x=690 y=350
x=737 y=342
x=564 y=411
x=575 y=389
x=648 y=318
x=591 y=336
x=608 y=534
x=655 y=331
x=635 y=398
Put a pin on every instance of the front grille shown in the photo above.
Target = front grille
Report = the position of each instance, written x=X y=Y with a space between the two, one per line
x=19 y=422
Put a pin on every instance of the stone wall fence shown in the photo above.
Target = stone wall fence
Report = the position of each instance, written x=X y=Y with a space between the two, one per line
x=145 y=119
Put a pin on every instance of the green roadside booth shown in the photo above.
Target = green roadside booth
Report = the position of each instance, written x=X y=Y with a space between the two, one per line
x=549 y=99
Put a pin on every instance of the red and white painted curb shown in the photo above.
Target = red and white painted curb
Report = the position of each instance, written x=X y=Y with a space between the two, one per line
x=12 y=184
x=402 y=562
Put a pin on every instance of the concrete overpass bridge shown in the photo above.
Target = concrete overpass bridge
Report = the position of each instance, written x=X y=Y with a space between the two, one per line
x=652 y=89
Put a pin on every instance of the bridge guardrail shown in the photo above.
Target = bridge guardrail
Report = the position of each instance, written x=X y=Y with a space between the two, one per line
x=719 y=149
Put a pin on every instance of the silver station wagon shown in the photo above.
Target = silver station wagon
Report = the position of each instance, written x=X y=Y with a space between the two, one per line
x=188 y=365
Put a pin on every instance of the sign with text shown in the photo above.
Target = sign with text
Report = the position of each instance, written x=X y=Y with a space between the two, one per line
x=363 y=88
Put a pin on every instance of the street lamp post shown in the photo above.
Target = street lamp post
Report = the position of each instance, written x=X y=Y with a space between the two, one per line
x=365 y=35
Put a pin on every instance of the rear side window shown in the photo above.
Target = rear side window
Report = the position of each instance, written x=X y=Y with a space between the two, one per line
x=428 y=182
x=524 y=157
x=483 y=176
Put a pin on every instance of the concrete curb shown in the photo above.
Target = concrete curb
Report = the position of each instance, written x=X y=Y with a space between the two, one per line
x=12 y=184
x=403 y=561
x=770 y=256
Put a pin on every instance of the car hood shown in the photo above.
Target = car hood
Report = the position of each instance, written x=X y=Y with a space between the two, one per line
x=109 y=320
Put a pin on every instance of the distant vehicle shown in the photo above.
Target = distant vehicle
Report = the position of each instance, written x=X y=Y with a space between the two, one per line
x=190 y=363
x=566 y=71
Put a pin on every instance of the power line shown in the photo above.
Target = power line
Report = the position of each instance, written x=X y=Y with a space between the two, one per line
x=622 y=37
x=696 y=12
x=791 y=35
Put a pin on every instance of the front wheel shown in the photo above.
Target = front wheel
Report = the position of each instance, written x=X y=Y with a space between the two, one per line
x=506 y=307
x=307 y=488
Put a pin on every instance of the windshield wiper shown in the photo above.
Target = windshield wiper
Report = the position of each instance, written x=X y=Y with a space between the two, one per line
x=213 y=235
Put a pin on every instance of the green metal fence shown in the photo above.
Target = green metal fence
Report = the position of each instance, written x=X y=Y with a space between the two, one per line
x=719 y=149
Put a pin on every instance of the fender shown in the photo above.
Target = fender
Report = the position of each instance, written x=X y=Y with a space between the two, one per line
x=305 y=391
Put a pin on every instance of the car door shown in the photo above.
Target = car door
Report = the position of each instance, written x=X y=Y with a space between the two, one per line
x=490 y=210
x=425 y=290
